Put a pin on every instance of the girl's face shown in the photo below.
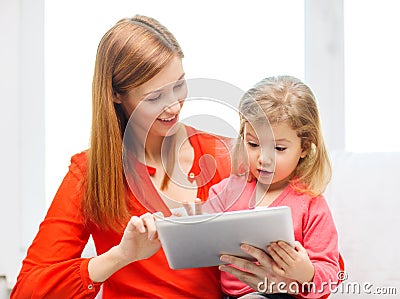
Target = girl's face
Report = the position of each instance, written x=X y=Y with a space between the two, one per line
x=156 y=104
x=273 y=157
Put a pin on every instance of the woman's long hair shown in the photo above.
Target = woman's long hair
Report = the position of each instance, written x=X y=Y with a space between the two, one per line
x=132 y=52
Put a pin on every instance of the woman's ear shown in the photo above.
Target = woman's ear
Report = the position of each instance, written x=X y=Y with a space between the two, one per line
x=117 y=98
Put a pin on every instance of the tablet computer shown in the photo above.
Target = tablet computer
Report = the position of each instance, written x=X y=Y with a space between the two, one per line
x=200 y=240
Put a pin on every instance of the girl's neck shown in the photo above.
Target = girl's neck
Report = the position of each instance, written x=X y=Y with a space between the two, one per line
x=266 y=194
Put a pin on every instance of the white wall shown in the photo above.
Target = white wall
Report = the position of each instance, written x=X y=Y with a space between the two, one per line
x=22 y=152
x=237 y=42
x=324 y=56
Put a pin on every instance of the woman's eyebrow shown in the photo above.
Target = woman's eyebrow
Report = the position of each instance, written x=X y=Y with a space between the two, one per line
x=160 y=89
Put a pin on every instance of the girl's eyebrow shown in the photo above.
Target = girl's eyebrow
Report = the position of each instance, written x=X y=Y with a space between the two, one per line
x=251 y=135
x=160 y=89
x=282 y=140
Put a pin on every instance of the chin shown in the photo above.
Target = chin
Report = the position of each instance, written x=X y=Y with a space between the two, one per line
x=163 y=132
x=264 y=180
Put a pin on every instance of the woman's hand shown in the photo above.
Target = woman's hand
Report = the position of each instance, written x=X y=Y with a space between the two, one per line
x=260 y=276
x=140 y=240
x=291 y=262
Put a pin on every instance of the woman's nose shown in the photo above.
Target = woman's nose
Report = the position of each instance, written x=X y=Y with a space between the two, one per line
x=174 y=108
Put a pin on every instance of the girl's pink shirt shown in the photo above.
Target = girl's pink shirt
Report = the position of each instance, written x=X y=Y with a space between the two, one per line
x=313 y=226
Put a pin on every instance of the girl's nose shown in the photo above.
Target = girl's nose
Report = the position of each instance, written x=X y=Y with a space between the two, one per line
x=265 y=158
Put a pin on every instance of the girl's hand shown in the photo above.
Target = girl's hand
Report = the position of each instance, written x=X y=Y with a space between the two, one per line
x=140 y=240
x=257 y=274
x=290 y=262
x=196 y=210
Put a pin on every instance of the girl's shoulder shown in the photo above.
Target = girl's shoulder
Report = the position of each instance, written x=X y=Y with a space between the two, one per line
x=233 y=181
x=304 y=199
x=235 y=188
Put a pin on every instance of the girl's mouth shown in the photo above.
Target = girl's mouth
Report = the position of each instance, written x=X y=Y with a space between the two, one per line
x=265 y=172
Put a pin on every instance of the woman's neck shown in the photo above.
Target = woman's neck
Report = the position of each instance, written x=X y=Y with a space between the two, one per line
x=154 y=147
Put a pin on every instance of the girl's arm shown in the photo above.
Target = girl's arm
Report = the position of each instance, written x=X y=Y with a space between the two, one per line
x=320 y=239
x=315 y=263
x=259 y=276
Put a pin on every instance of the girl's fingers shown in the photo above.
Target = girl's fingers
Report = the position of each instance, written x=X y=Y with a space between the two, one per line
x=278 y=270
x=246 y=265
x=195 y=208
x=246 y=277
x=290 y=251
x=188 y=207
x=258 y=254
x=198 y=206
x=276 y=257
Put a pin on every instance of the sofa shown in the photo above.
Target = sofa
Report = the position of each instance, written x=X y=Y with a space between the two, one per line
x=365 y=203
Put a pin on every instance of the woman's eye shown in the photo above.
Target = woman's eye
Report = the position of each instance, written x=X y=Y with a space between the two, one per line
x=180 y=84
x=152 y=99
x=280 y=148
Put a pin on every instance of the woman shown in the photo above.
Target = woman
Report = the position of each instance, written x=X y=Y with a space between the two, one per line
x=138 y=88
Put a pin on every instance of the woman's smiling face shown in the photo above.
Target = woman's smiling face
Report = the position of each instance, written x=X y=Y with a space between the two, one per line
x=156 y=104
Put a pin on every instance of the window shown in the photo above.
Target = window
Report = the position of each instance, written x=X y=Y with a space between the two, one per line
x=372 y=64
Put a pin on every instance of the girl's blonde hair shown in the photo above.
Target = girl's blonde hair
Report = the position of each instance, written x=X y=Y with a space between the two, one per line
x=132 y=52
x=287 y=99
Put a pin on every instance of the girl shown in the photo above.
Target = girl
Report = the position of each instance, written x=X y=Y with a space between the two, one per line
x=288 y=165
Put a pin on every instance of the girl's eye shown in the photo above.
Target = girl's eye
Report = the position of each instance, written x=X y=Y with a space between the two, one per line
x=280 y=148
x=252 y=144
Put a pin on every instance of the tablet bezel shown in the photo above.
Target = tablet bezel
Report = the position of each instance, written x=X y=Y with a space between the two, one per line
x=199 y=241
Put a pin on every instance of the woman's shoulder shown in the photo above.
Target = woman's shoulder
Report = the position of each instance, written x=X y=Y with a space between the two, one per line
x=207 y=136
x=79 y=162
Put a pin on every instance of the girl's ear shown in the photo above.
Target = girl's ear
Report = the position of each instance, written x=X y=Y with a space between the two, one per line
x=304 y=154
x=117 y=98
x=306 y=146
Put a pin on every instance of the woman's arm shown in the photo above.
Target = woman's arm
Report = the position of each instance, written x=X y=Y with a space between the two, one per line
x=53 y=267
